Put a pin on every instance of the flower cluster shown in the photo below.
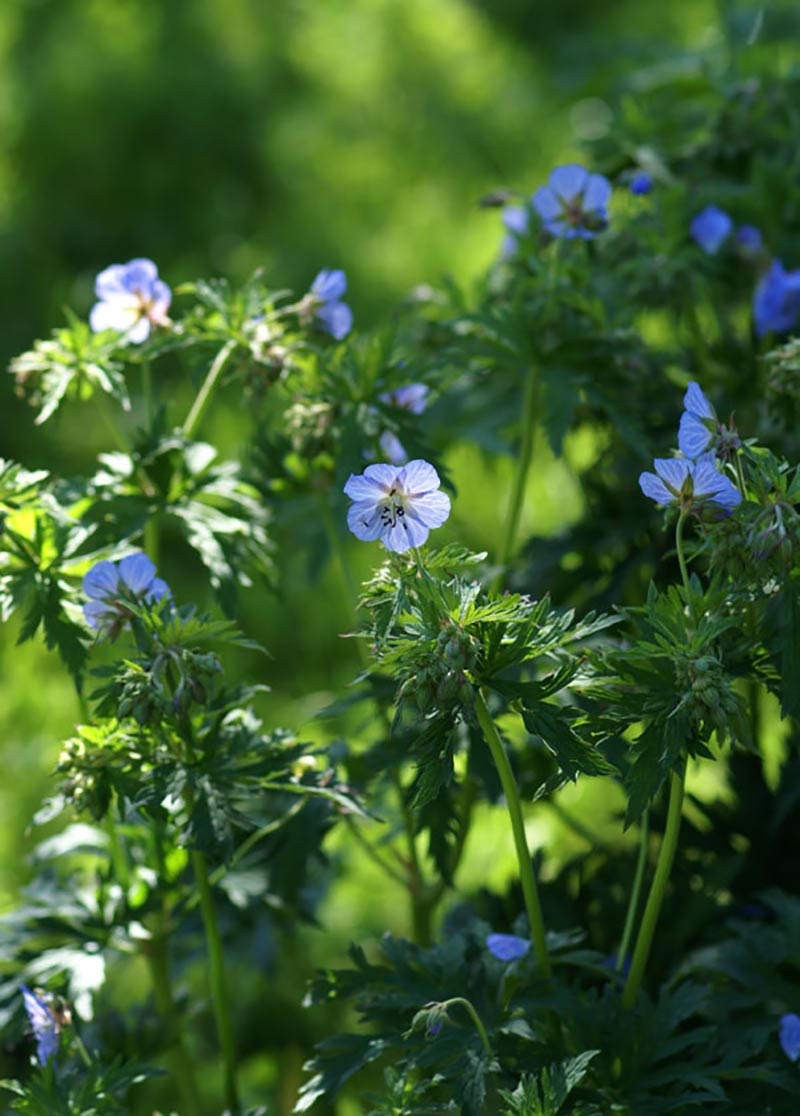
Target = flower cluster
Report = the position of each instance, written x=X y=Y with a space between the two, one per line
x=112 y=586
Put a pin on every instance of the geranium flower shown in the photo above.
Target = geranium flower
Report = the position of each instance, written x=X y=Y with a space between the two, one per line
x=398 y=506
x=507 y=947
x=413 y=398
x=132 y=300
x=516 y=219
x=686 y=483
x=776 y=302
x=710 y=228
x=789 y=1036
x=697 y=430
x=43 y=1024
x=641 y=183
x=749 y=239
x=334 y=316
x=574 y=203
x=111 y=586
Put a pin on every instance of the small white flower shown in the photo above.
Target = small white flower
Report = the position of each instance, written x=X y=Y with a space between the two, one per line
x=399 y=506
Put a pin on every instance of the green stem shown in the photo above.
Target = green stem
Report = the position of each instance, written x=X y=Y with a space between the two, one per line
x=219 y=991
x=526 y=875
x=681 y=559
x=636 y=891
x=147 y=392
x=655 y=899
x=521 y=475
x=476 y=1019
x=120 y=439
x=740 y=474
x=198 y=408
x=182 y=1065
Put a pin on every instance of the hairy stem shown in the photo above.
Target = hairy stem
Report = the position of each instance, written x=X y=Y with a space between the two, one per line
x=157 y=954
x=636 y=891
x=655 y=899
x=514 y=807
x=679 y=551
x=201 y=402
x=476 y=1019
x=521 y=476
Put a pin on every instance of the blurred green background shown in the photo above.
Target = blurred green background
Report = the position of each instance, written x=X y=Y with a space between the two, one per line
x=217 y=136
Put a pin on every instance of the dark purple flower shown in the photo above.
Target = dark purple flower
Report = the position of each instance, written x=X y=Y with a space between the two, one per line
x=710 y=228
x=333 y=315
x=574 y=203
x=111 y=586
x=507 y=947
x=43 y=1024
x=776 y=302
x=789 y=1036
x=641 y=183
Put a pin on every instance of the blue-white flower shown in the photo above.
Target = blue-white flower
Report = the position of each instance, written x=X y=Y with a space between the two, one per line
x=132 y=300
x=689 y=484
x=43 y=1024
x=399 y=506
x=507 y=947
x=789 y=1036
x=413 y=398
x=710 y=228
x=333 y=315
x=574 y=203
x=697 y=431
x=112 y=586
x=776 y=302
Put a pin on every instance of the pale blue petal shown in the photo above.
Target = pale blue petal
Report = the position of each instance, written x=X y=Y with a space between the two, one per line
x=695 y=401
x=672 y=470
x=157 y=591
x=42 y=1024
x=412 y=397
x=160 y=298
x=392 y=448
x=411 y=525
x=401 y=538
x=561 y=228
x=507 y=947
x=547 y=203
x=102 y=580
x=432 y=509
x=98 y=613
x=569 y=180
x=111 y=282
x=336 y=318
x=138 y=332
x=694 y=437
x=374 y=483
x=119 y=313
x=710 y=228
x=140 y=275
x=516 y=219
x=655 y=488
x=789 y=1036
x=136 y=573
x=710 y=484
x=329 y=285
x=597 y=193
x=417 y=477
x=364 y=520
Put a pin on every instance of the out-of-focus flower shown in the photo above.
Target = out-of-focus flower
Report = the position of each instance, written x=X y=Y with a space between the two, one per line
x=789 y=1036
x=689 y=484
x=507 y=947
x=776 y=301
x=333 y=315
x=413 y=398
x=112 y=586
x=132 y=300
x=710 y=228
x=398 y=506
x=43 y=1024
x=516 y=219
x=574 y=203
x=749 y=239
x=641 y=183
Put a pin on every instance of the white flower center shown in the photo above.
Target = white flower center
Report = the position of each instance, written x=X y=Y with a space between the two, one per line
x=393 y=508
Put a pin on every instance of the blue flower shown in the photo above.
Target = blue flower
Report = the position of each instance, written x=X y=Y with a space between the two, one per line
x=132 y=300
x=641 y=183
x=507 y=947
x=789 y=1036
x=574 y=203
x=413 y=398
x=688 y=483
x=110 y=586
x=697 y=431
x=333 y=315
x=397 y=506
x=710 y=228
x=776 y=302
x=43 y=1025
x=517 y=219
x=749 y=239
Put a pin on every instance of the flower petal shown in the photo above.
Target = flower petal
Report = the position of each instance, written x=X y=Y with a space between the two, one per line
x=432 y=508
x=111 y=282
x=414 y=528
x=139 y=331
x=98 y=614
x=402 y=536
x=120 y=313
x=157 y=591
x=507 y=947
x=710 y=228
x=374 y=484
x=713 y=486
x=392 y=448
x=655 y=488
x=695 y=401
x=673 y=471
x=136 y=572
x=547 y=203
x=364 y=520
x=102 y=580
x=412 y=397
x=694 y=437
x=569 y=180
x=418 y=477
x=516 y=219
x=336 y=318
x=329 y=285
x=597 y=193
x=140 y=275
x=789 y=1036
